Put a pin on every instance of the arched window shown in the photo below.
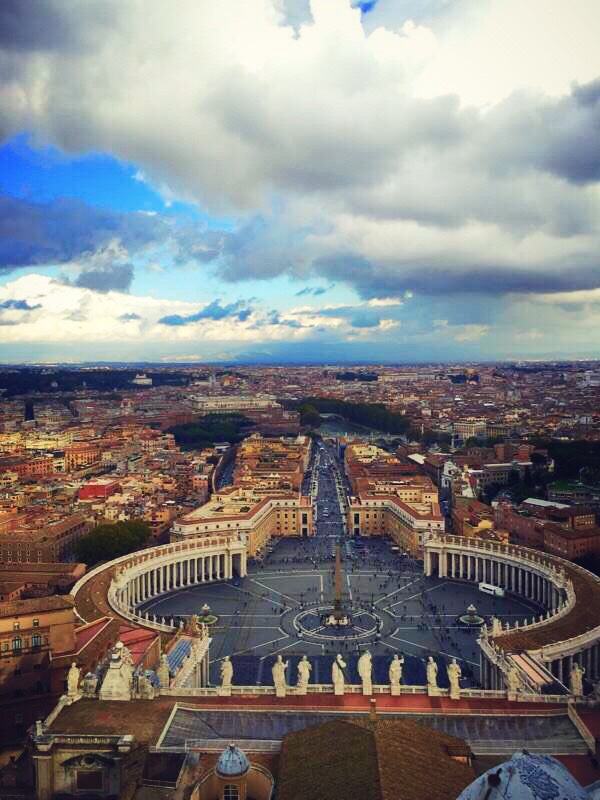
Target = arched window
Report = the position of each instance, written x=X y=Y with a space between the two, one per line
x=231 y=792
x=17 y=644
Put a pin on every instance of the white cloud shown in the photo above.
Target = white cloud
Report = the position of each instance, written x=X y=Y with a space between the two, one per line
x=493 y=47
x=64 y=313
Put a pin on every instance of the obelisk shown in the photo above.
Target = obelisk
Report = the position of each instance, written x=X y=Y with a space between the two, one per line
x=338 y=612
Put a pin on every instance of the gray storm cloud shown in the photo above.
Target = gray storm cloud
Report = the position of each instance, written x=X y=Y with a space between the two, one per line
x=311 y=133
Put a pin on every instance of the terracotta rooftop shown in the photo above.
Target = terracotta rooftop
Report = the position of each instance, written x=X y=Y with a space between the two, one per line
x=36 y=605
x=381 y=760
x=585 y=616
x=140 y=718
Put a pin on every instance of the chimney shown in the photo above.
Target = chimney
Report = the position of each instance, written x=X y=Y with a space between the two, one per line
x=372 y=710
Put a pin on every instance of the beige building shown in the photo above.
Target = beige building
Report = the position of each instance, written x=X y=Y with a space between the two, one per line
x=241 y=511
x=409 y=522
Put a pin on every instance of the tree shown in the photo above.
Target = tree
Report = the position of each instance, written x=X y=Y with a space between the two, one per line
x=106 y=541
x=309 y=416
x=210 y=429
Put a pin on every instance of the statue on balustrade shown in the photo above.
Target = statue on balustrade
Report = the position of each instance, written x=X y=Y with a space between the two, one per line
x=454 y=674
x=576 y=679
x=304 y=670
x=226 y=676
x=513 y=681
x=73 y=681
x=432 y=671
x=164 y=671
x=365 y=669
x=337 y=675
x=278 y=670
x=395 y=673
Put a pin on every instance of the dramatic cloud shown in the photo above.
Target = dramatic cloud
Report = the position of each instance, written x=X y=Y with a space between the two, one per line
x=453 y=156
x=97 y=244
x=64 y=230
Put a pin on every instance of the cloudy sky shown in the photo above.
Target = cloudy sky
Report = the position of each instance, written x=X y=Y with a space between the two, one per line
x=395 y=180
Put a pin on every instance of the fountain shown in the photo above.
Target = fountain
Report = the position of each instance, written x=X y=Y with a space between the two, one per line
x=206 y=617
x=472 y=619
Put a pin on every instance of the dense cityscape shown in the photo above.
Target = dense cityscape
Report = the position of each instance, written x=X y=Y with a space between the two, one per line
x=299 y=400
x=181 y=536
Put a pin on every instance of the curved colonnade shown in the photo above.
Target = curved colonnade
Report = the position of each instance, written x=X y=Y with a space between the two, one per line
x=568 y=630
x=158 y=571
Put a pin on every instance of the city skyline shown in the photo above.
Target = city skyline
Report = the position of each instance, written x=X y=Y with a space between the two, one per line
x=283 y=181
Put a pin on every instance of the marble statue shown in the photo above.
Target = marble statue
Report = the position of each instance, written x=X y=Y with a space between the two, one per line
x=432 y=670
x=278 y=671
x=395 y=673
x=73 y=681
x=337 y=674
x=226 y=676
x=127 y=661
x=304 y=670
x=39 y=728
x=454 y=673
x=576 y=679
x=365 y=668
x=512 y=680
x=164 y=672
x=496 y=626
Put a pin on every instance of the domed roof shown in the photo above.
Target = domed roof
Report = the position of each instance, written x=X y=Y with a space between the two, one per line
x=526 y=777
x=232 y=762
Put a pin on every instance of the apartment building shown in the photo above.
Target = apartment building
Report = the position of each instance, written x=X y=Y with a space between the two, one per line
x=242 y=512
x=41 y=537
x=405 y=509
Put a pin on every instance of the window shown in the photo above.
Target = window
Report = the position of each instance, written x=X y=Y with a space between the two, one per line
x=231 y=792
x=36 y=623
x=36 y=640
x=17 y=644
x=90 y=780
x=16 y=626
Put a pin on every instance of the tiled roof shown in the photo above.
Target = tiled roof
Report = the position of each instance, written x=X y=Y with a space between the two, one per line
x=584 y=616
x=381 y=760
